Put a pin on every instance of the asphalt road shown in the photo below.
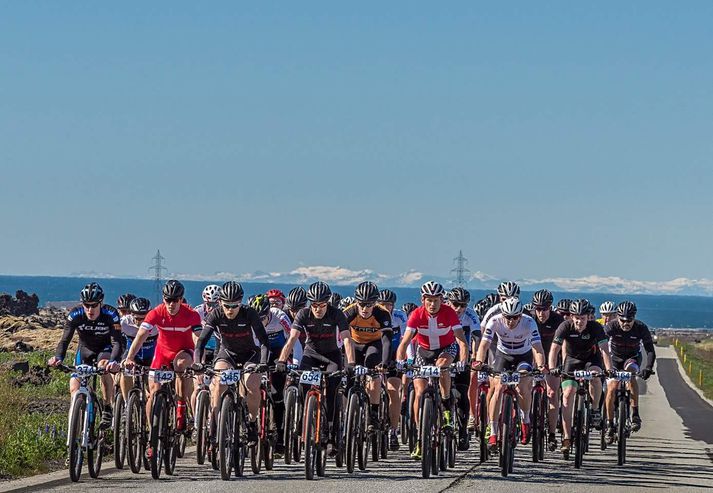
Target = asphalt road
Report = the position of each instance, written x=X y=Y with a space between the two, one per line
x=664 y=455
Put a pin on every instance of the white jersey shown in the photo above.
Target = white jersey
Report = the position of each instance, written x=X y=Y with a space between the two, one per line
x=278 y=331
x=470 y=319
x=492 y=311
x=212 y=343
x=129 y=327
x=516 y=341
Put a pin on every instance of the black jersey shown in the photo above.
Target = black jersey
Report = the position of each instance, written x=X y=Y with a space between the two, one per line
x=548 y=329
x=94 y=335
x=235 y=335
x=321 y=332
x=626 y=344
x=580 y=345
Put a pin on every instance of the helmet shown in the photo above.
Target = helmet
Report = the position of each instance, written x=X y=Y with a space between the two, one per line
x=367 y=292
x=591 y=310
x=432 y=288
x=529 y=307
x=542 y=298
x=563 y=305
x=459 y=295
x=296 y=298
x=607 y=308
x=261 y=304
x=334 y=299
x=318 y=291
x=231 y=291
x=211 y=293
x=579 y=307
x=92 y=293
x=511 y=307
x=345 y=302
x=492 y=299
x=481 y=308
x=508 y=289
x=387 y=296
x=275 y=293
x=140 y=306
x=408 y=308
x=123 y=301
x=173 y=289
x=626 y=310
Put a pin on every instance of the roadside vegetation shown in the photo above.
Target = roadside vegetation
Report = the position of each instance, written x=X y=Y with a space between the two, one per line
x=697 y=359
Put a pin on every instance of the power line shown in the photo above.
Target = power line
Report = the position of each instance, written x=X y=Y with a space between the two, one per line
x=158 y=270
x=460 y=270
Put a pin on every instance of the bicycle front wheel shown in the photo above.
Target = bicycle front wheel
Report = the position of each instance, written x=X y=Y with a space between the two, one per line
x=202 y=425
x=508 y=425
x=226 y=435
x=76 y=452
x=95 y=448
x=621 y=438
x=310 y=441
x=134 y=432
x=426 y=438
x=159 y=423
x=119 y=431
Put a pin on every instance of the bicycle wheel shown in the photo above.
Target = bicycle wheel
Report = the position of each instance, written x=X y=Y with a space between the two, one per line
x=240 y=439
x=159 y=423
x=578 y=436
x=171 y=440
x=543 y=423
x=226 y=436
x=483 y=425
x=363 y=434
x=320 y=440
x=256 y=449
x=269 y=436
x=310 y=424
x=134 y=432
x=202 y=425
x=95 y=448
x=338 y=430
x=352 y=432
x=403 y=421
x=621 y=438
x=76 y=452
x=289 y=431
x=119 y=435
x=505 y=435
x=384 y=425
x=535 y=423
x=412 y=428
x=426 y=437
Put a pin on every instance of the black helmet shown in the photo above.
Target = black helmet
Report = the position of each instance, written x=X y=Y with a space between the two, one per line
x=508 y=289
x=563 y=305
x=481 y=308
x=92 y=293
x=591 y=310
x=491 y=300
x=334 y=299
x=173 y=289
x=366 y=292
x=318 y=292
x=529 y=308
x=231 y=291
x=408 y=308
x=459 y=295
x=387 y=296
x=296 y=298
x=542 y=298
x=140 y=306
x=626 y=310
x=123 y=301
x=579 y=307
x=261 y=304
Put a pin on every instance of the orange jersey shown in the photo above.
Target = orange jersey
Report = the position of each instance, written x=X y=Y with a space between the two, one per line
x=366 y=330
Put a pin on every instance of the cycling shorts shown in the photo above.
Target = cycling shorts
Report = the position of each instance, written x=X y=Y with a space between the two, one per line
x=512 y=362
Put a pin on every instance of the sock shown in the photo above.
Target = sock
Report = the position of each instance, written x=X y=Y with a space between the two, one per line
x=526 y=418
x=493 y=427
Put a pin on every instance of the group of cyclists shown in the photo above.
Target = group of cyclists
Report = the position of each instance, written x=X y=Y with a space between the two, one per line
x=366 y=334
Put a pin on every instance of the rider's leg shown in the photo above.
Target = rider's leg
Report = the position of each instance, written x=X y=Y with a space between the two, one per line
x=184 y=385
x=569 y=389
x=393 y=387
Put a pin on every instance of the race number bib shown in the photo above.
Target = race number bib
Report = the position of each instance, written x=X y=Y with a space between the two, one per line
x=162 y=376
x=582 y=374
x=483 y=377
x=428 y=371
x=360 y=371
x=509 y=378
x=623 y=376
x=230 y=377
x=311 y=377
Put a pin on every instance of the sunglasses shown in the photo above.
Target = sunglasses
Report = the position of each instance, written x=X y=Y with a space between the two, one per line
x=459 y=305
x=232 y=306
x=139 y=318
x=543 y=308
x=319 y=305
x=511 y=317
x=626 y=320
x=171 y=300
x=366 y=305
x=90 y=305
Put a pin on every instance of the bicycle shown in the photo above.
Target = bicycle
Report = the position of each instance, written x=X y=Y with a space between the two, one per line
x=481 y=410
x=408 y=421
x=357 y=442
x=85 y=435
x=136 y=426
x=540 y=423
x=203 y=422
x=119 y=425
x=622 y=412
x=264 y=450
x=292 y=424
x=581 y=423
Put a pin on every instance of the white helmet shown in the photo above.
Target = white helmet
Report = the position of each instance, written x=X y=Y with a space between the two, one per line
x=607 y=308
x=432 y=288
x=211 y=293
x=511 y=307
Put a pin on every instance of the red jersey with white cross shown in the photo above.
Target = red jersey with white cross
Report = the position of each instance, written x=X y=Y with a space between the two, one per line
x=175 y=333
x=434 y=332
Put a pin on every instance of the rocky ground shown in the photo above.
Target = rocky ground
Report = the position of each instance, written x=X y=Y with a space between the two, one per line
x=27 y=333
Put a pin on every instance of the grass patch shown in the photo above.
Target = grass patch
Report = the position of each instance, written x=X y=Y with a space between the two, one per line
x=697 y=360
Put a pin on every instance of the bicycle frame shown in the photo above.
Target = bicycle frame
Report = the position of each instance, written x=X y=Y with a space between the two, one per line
x=87 y=375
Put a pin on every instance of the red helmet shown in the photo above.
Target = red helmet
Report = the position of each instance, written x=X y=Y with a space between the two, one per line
x=276 y=293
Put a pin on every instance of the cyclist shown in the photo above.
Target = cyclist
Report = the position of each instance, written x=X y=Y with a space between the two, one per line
x=608 y=312
x=345 y=302
x=296 y=300
x=583 y=337
x=238 y=327
x=562 y=308
x=440 y=338
x=518 y=339
x=407 y=308
x=506 y=290
x=371 y=332
x=276 y=298
x=211 y=296
x=321 y=323
x=99 y=332
x=547 y=323
x=335 y=299
x=175 y=322
x=123 y=302
x=387 y=300
x=458 y=299
x=130 y=324
x=626 y=336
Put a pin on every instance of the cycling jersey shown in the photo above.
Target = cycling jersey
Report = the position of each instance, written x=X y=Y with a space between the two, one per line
x=277 y=328
x=492 y=311
x=548 y=329
x=202 y=311
x=237 y=335
x=94 y=335
x=625 y=344
x=366 y=330
x=398 y=324
x=129 y=329
x=175 y=333
x=321 y=333
x=518 y=340
x=434 y=332
x=471 y=324
x=580 y=345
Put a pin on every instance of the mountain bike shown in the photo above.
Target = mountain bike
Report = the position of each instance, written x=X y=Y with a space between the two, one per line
x=136 y=425
x=204 y=425
x=163 y=434
x=264 y=450
x=481 y=413
x=540 y=423
x=582 y=422
x=622 y=412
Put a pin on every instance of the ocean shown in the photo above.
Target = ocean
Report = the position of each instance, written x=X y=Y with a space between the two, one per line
x=655 y=310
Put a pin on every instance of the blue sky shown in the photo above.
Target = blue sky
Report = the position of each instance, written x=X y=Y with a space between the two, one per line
x=542 y=139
